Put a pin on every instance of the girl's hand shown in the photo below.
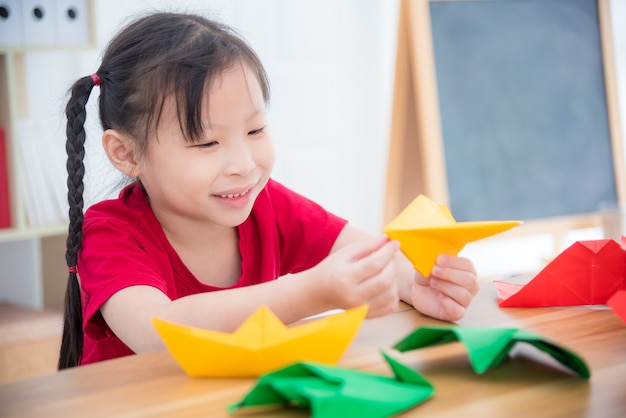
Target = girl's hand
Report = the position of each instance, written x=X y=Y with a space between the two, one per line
x=449 y=289
x=361 y=273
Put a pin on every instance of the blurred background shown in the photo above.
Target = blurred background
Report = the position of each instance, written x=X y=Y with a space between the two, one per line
x=331 y=69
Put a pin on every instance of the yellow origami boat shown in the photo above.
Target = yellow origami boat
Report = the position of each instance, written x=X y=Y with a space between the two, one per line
x=261 y=344
x=426 y=229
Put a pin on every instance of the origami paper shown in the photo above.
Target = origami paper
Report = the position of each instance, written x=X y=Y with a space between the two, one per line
x=488 y=347
x=262 y=343
x=617 y=302
x=334 y=392
x=426 y=229
x=586 y=273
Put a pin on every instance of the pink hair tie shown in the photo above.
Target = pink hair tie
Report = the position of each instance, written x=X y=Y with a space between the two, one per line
x=72 y=269
x=96 y=79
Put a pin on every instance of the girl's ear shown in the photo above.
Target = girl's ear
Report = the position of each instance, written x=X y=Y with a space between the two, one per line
x=121 y=152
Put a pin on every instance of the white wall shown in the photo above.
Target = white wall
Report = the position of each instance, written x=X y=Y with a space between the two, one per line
x=330 y=64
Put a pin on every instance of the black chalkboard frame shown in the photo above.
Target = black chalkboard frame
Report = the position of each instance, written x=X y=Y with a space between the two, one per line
x=417 y=161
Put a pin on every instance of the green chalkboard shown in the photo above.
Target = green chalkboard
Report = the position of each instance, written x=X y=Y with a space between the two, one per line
x=523 y=108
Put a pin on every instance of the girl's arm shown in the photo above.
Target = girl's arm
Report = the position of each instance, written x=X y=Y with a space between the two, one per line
x=355 y=273
x=360 y=270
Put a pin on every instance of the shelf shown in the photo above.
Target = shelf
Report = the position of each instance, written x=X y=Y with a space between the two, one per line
x=14 y=234
x=32 y=257
x=13 y=92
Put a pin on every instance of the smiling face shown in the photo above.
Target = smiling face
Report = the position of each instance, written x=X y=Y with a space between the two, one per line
x=214 y=181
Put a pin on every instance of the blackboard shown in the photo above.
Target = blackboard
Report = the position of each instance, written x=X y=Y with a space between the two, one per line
x=525 y=121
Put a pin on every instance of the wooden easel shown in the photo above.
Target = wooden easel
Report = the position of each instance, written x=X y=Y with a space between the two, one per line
x=416 y=161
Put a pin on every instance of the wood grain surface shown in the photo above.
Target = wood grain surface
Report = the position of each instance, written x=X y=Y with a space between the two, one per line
x=529 y=384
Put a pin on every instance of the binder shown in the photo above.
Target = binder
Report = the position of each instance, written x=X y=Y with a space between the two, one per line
x=11 y=33
x=42 y=175
x=72 y=22
x=5 y=205
x=39 y=22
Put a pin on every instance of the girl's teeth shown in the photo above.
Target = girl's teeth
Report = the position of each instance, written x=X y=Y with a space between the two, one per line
x=230 y=196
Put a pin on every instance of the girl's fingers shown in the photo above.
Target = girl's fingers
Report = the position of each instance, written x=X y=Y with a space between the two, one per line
x=375 y=262
x=451 y=262
x=450 y=310
x=458 y=271
x=455 y=278
x=379 y=290
x=383 y=303
x=461 y=295
x=458 y=278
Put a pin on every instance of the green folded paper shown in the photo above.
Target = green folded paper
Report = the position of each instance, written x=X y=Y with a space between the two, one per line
x=331 y=391
x=488 y=347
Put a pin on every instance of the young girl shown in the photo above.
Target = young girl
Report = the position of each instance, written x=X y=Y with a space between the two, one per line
x=203 y=232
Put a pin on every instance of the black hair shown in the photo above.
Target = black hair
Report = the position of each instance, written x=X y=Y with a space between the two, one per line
x=154 y=58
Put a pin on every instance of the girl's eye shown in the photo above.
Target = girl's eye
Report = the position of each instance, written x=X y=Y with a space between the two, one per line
x=257 y=131
x=207 y=144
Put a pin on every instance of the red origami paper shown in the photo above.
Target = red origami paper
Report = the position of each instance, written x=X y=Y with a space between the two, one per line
x=617 y=302
x=586 y=273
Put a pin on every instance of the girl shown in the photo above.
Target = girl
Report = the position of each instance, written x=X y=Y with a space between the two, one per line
x=202 y=233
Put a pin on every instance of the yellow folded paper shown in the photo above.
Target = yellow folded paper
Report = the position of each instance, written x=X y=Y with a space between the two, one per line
x=426 y=229
x=261 y=344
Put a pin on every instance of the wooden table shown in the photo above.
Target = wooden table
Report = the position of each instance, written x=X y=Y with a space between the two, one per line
x=530 y=384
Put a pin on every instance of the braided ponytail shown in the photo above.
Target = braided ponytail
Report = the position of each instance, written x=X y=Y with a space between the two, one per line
x=72 y=340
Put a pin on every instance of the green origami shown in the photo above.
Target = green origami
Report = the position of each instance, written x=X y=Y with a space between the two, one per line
x=331 y=391
x=488 y=347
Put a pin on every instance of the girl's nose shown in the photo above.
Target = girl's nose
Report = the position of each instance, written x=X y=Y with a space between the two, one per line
x=240 y=159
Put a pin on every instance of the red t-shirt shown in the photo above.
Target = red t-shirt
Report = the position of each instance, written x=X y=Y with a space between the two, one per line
x=124 y=245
